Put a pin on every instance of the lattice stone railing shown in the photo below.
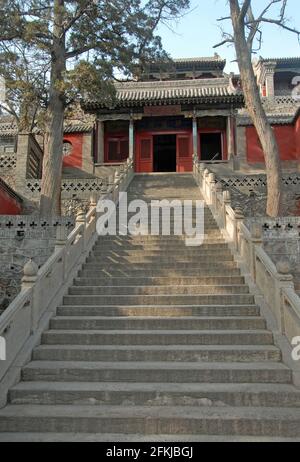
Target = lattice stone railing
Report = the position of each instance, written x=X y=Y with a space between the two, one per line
x=258 y=181
x=72 y=187
x=246 y=237
x=8 y=160
x=279 y=101
x=281 y=227
x=34 y=227
x=80 y=188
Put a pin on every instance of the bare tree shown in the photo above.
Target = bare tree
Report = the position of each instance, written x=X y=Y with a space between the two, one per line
x=247 y=37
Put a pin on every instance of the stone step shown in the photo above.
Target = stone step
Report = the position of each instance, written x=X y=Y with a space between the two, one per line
x=153 y=337
x=73 y=437
x=150 y=199
x=158 y=290
x=159 y=310
x=174 y=372
x=160 y=281
x=163 y=272
x=153 y=239
x=157 y=251
x=157 y=222
x=237 y=353
x=156 y=247
x=161 y=394
x=156 y=266
x=186 y=253
x=140 y=323
x=232 y=299
x=145 y=420
x=163 y=259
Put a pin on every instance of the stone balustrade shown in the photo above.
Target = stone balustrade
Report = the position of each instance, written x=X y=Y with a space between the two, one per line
x=274 y=280
x=8 y=160
x=258 y=181
x=32 y=226
x=43 y=289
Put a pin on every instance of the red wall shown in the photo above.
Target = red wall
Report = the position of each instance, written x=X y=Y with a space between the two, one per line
x=297 y=136
x=75 y=158
x=288 y=139
x=8 y=205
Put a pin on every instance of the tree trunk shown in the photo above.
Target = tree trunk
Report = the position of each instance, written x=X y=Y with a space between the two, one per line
x=257 y=114
x=52 y=163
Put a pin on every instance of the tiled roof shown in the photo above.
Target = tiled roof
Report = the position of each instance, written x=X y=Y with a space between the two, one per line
x=291 y=60
x=172 y=92
x=202 y=59
x=280 y=110
x=279 y=63
x=8 y=127
x=207 y=64
x=78 y=127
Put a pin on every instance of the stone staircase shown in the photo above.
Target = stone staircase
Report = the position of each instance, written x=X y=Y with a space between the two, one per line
x=156 y=341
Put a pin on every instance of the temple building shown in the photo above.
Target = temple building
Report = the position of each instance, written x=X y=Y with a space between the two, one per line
x=193 y=108
x=170 y=115
x=188 y=108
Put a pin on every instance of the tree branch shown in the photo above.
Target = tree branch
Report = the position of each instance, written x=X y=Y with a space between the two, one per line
x=244 y=10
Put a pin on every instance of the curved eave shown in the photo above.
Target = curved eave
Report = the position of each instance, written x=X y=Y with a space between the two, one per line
x=237 y=100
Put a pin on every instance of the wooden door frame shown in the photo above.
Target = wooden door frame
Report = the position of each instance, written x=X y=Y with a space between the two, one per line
x=107 y=137
x=152 y=133
x=223 y=141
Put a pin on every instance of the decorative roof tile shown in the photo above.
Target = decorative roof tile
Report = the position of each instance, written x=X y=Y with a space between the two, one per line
x=290 y=60
x=172 y=92
x=78 y=127
x=201 y=59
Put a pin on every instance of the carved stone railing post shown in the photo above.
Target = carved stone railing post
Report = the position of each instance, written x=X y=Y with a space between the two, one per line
x=226 y=202
x=201 y=169
x=218 y=193
x=81 y=221
x=30 y=276
x=238 y=218
x=256 y=240
x=205 y=184
x=212 y=183
x=284 y=280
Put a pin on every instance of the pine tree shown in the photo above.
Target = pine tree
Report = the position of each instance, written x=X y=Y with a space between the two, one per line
x=86 y=43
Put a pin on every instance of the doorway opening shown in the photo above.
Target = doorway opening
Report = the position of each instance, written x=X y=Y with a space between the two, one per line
x=211 y=146
x=164 y=153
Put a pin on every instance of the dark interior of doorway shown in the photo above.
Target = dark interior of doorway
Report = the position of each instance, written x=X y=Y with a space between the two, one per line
x=211 y=146
x=164 y=153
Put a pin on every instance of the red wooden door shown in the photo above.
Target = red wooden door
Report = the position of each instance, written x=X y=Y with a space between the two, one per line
x=145 y=155
x=184 y=156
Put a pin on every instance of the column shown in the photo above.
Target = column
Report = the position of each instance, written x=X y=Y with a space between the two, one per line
x=270 y=87
x=131 y=139
x=195 y=138
x=230 y=137
x=100 y=142
x=232 y=141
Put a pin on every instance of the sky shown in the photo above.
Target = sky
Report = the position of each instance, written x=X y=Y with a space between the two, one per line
x=198 y=31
